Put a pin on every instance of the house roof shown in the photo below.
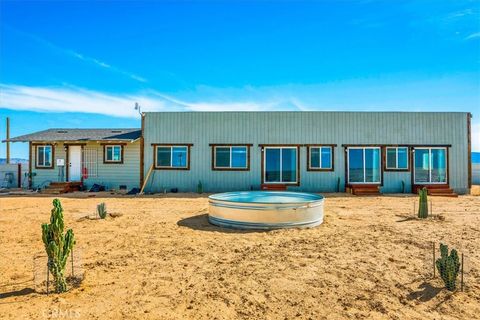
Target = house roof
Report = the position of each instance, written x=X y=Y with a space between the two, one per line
x=81 y=135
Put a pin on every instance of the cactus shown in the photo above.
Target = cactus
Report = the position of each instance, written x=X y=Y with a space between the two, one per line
x=423 y=204
x=200 y=187
x=448 y=266
x=57 y=245
x=102 y=210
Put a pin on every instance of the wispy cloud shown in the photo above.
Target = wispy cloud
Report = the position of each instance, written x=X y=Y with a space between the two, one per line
x=73 y=99
x=79 y=56
x=473 y=36
x=104 y=65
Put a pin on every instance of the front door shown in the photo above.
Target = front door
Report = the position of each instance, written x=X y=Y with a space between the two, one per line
x=75 y=163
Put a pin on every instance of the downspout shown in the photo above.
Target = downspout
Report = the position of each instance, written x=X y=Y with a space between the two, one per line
x=142 y=151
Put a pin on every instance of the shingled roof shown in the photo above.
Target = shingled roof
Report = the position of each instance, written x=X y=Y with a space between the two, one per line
x=81 y=135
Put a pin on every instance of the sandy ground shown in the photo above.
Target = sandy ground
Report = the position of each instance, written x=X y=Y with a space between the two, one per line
x=162 y=260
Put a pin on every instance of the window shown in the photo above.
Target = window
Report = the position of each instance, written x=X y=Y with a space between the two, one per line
x=113 y=154
x=364 y=165
x=320 y=158
x=172 y=157
x=430 y=165
x=230 y=157
x=280 y=165
x=44 y=157
x=397 y=158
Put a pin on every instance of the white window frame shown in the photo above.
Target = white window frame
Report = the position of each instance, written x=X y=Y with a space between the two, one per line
x=430 y=165
x=113 y=146
x=187 y=160
x=37 y=157
x=281 y=163
x=364 y=168
x=320 y=156
x=247 y=155
x=396 y=163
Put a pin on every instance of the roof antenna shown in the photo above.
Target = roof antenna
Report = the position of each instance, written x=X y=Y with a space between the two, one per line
x=138 y=107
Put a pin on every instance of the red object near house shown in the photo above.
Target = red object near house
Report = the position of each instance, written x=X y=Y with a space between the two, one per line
x=85 y=173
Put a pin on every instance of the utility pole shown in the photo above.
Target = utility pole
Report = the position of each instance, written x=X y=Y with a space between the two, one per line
x=8 y=141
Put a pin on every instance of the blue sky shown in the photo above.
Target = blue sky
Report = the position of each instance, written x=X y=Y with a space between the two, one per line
x=84 y=64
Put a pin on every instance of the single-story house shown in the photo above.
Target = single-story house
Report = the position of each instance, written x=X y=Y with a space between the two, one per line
x=109 y=157
x=226 y=151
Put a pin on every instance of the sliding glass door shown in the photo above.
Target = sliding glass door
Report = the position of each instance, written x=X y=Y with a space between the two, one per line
x=280 y=165
x=364 y=165
x=430 y=165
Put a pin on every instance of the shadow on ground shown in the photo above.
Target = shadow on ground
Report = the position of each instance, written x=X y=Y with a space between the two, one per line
x=200 y=222
x=16 y=293
x=426 y=293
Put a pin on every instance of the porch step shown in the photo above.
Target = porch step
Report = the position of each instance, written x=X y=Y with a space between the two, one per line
x=62 y=187
x=274 y=187
x=442 y=190
x=447 y=192
x=365 y=190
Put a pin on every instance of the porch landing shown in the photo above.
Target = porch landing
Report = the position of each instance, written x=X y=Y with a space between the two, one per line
x=364 y=189
x=62 y=187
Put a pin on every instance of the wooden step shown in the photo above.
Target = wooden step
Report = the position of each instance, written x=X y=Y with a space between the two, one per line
x=365 y=190
x=54 y=190
x=71 y=184
x=366 y=193
x=453 y=195
x=62 y=187
x=441 y=190
x=274 y=187
x=436 y=191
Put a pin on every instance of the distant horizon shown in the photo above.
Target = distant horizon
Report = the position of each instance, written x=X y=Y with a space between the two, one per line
x=344 y=56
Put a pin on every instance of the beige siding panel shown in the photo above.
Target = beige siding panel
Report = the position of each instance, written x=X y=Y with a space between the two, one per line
x=109 y=175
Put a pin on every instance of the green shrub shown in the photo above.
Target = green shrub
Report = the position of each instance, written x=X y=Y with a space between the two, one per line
x=448 y=267
x=102 y=210
x=57 y=245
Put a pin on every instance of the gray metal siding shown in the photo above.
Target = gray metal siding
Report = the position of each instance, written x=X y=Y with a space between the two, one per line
x=109 y=175
x=203 y=128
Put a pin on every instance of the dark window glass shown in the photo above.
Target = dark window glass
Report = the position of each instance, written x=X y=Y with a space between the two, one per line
x=315 y=157
x=422 y=165
x=289 y=165
x=164 y=156
x=222 y=157
x=272 y=165
x=392 y=158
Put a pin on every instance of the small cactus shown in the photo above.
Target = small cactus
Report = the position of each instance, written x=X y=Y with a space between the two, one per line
x=199 y=187
x=422 y=204
x=102 y=210
x=448 y=267
x=57 y=245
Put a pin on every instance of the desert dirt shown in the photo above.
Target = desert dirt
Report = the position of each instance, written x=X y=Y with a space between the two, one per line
x=161 y=259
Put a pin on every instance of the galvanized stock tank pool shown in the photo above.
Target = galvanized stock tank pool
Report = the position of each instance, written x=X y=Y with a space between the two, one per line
x=265 y=210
